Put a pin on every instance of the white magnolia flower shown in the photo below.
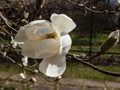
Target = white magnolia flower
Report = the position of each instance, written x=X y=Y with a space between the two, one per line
x=25 y=61
x=47 y=40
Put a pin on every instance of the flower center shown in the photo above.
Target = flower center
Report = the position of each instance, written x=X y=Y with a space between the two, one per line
x=52 y=35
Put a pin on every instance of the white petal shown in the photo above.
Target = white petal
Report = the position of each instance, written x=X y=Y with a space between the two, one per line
x=53 y=66
x=36 y=22
x=66 y=43
x=37 y=29
x=27 y=31
x=41 y=49
x=63 y=23
x=21 y=35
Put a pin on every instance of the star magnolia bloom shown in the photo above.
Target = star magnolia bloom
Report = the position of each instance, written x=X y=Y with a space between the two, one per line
x=47 y=40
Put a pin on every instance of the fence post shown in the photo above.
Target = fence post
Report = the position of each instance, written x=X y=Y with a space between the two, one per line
x=91 y=34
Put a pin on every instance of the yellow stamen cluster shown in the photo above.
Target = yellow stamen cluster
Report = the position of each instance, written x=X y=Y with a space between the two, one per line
x=52 y=35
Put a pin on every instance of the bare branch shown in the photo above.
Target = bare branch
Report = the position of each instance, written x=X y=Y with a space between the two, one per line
x=93 y=66
x=6 y=21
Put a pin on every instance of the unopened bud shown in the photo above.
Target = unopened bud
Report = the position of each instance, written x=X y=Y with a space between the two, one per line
x=33 y=80
x=22 y=75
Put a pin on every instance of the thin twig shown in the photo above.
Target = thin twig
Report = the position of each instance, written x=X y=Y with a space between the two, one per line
x=39 y=6
x=94 y=52
x=7 y=23
x=6 y=31
x=2 y=39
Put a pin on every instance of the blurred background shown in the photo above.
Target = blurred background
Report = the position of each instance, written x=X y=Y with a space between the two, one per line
x=95 y=20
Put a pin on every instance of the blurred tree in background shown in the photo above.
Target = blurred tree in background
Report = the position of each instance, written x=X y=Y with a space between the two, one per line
x=102 y=21
x=21 y=12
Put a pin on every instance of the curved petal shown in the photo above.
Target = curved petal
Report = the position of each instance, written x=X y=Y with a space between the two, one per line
x=53 y=66
x=65 y=43
x=37 y=29
x=21 y=35
x=41 y=48
x=36 y=22
x=63 y=23
x=28 y=30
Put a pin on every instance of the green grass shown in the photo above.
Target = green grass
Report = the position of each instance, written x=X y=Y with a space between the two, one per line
x=10 y=68
x=77 y=70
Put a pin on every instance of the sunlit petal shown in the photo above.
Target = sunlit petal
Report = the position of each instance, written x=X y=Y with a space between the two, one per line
x=36 y=22
x=37 y=29
x=41 y=49
x=66 y=43
x=53 y=66
x=63 y=23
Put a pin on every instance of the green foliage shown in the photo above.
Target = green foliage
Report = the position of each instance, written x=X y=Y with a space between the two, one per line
x=9 y=88
x=77 y=70
x=11 y=68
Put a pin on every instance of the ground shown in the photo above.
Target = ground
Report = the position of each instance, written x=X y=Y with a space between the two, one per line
x=14 y=82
